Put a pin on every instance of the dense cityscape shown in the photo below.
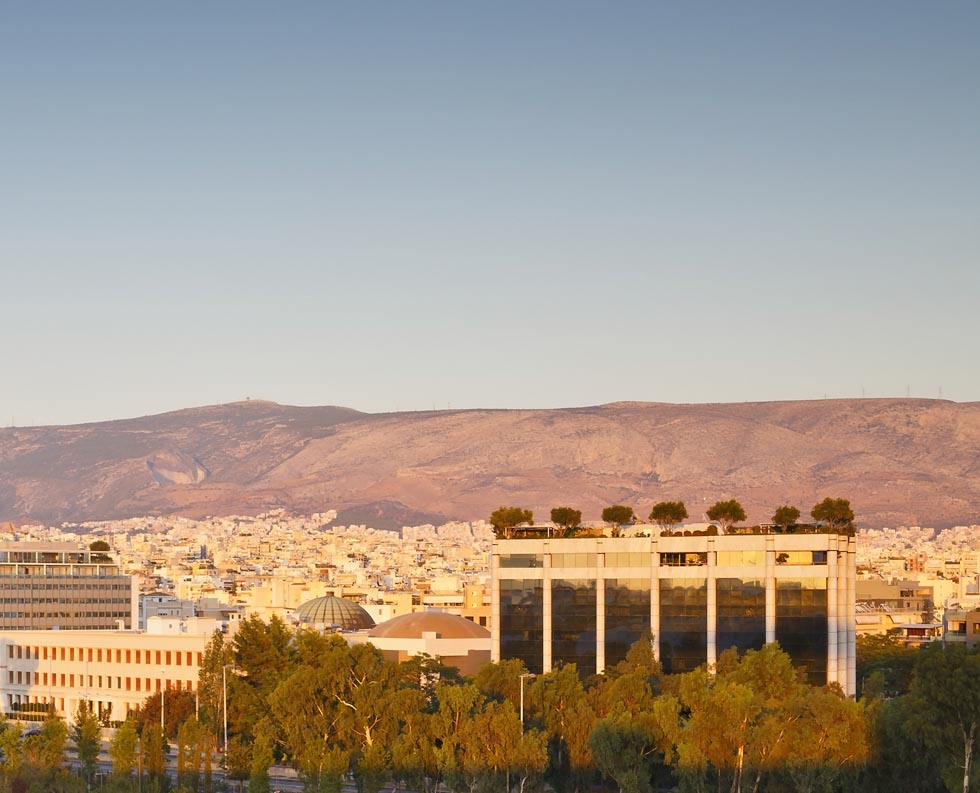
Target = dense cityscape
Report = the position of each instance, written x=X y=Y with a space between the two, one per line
x=229 y=618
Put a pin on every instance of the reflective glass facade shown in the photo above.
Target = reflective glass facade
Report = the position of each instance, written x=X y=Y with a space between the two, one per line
x=683 y=624
x=573 y=623
x=627 y=615
x=522 y=560
x=522 y=622
x=801 y=624
x=588 y=600
x=741 y=610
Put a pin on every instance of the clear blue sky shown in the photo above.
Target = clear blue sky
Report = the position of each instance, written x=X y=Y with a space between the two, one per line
x=396 y=206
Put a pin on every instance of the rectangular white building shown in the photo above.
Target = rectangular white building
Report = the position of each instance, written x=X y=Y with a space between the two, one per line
x=115 y=671
x=587 y=600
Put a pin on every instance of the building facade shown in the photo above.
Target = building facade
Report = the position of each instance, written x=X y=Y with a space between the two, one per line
x=62 y=586
x=114 y=671
x=588 y=600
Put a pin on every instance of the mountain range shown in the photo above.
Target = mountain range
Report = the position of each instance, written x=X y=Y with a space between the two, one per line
x=899 y=461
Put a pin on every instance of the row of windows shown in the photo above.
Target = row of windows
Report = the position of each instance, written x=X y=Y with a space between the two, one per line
x=801 y=620
x=47 y=614
x=84 y=600
x=36 y=586
x=147 y=684
x=672 y=559
x=98 y=655
x=48 y=571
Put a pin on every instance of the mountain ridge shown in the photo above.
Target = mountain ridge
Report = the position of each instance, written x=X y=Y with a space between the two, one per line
x=911 y=461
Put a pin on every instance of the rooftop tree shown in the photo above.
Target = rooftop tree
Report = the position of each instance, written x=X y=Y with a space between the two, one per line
x=786 y=516
x=668 y=513
x=617 y=516
x=836 y=513
x=505 y=519
x=565 y=519
x=727 y=513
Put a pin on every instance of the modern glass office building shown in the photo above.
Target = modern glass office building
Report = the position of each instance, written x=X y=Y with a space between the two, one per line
x=587 y=600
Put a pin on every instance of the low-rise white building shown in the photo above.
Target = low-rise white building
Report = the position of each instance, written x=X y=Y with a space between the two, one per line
x=115 y=671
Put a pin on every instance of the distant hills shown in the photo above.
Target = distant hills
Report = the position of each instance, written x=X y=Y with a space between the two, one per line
x=899 y=461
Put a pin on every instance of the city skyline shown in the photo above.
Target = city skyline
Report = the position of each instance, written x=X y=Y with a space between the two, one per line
x=406 y=208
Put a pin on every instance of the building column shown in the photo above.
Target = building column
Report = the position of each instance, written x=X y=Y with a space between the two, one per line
x=494 y=607
x=770 y=589
x=546 y=610
x=849 y=684
x=712 y=607
x=600 y=611
x=842 y=612
x=655 y=598
x=834 y=602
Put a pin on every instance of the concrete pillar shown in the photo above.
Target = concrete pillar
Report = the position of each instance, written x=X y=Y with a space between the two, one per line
x=546 y=608
x=851 y=575
x=712 y=605
x=655 y=598
x=770 y=589
x=494 y=607
x=842 y=620
x=600 y=611
x=834 y=602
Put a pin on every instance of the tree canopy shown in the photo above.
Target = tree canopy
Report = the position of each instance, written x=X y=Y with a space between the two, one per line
x=727 y=513
x=566 y=518
x=786 y=515
x=835 y=512
x=617 y=516
x=668 y=513
x=750 y=723
x=505 y=519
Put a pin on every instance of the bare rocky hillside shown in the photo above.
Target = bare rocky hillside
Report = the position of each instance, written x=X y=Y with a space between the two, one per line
x=897 y=460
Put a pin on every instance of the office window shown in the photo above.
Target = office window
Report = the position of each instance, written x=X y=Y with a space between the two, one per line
x=683 y=624
x=692 y=559
x=573 y=624
x=801 y=624
x=801 y=557
x=573 y=560
x=522 y=622
x=741 y=614
x=741 y=559
x=628 y=559
x=627 y=615
x=521 y=560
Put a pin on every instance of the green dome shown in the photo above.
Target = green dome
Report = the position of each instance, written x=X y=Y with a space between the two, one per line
x=331 y=612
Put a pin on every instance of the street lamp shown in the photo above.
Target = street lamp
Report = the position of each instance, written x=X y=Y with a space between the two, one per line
x=523 y=676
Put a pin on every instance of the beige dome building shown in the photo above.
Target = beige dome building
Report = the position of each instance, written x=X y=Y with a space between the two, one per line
x=456 y=641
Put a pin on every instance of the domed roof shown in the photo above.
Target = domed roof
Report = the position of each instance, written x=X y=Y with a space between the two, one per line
x=412 y=626
x=329 y=610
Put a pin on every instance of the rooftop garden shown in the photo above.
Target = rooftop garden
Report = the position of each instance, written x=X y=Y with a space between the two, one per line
x=830 y=516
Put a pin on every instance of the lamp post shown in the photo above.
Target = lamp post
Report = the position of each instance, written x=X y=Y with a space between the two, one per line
x=523 y=676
